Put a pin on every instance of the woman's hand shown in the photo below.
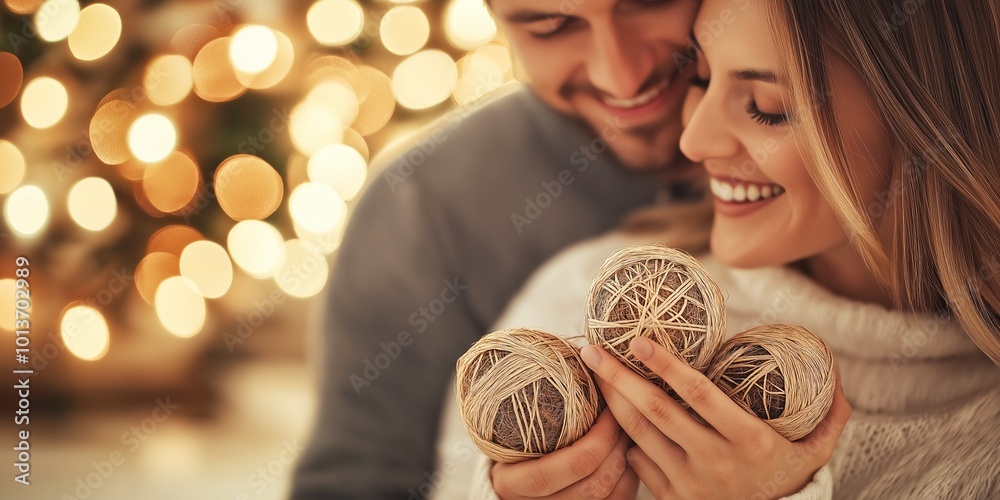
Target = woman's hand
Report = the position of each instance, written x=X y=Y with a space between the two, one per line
x=678 y=457
x=592 y=467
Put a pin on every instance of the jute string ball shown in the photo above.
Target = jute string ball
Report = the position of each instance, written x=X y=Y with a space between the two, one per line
x=661 y=294
x=524 y=393
x=783 y=374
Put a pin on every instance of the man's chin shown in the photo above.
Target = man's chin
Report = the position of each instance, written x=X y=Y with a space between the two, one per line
x=642 y=155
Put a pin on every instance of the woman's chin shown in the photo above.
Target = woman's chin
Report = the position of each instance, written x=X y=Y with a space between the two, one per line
x=739 y=250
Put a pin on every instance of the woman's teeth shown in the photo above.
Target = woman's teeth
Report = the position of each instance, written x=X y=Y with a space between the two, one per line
x=638 y=100
x=744 y=192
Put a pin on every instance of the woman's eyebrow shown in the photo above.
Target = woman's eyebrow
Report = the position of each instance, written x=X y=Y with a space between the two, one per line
x=762 y=75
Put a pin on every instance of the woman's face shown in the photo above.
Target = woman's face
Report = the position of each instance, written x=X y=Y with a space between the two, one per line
x=768 y=209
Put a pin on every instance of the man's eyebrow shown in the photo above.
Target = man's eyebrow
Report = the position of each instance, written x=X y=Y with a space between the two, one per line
x=762 y=75
x=530 y=16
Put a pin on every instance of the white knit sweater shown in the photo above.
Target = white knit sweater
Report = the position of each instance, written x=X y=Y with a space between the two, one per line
x=926 y=401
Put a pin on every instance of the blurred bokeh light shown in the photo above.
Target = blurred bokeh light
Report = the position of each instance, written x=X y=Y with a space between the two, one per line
x=335 y=22
x=84 y=331
x=92 y=203
x=44 y=102
x=27 y=210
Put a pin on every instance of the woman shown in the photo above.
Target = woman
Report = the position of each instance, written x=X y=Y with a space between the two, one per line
x=848 y=145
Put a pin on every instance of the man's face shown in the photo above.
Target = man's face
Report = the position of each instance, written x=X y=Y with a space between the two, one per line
x=622 y=66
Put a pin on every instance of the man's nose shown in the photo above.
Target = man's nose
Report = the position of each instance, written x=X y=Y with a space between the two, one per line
x=620 y=62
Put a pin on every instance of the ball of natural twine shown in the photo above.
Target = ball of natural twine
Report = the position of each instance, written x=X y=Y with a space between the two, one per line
x=659 y=293
x=524 y=393
x=784 y=374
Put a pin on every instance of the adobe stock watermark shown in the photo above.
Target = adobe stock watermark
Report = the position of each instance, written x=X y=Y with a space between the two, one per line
x=420 y=320
x=132 y=439
x=900 y=13
x=783 y=301
x=118 y=283
x=582 y=158
x=405 y=166
x=31 y=25
x=462 y=451
x=266 y=475
x=133 y=97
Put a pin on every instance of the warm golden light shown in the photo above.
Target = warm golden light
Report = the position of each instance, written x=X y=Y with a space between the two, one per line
x=84 y=332
x=277 y=71
x=152 y=270
x=404 y=30
x=168 y=79
x=7 y=288
x=214 y=76
x=11 y=77
x=23 y=7
x=377 y=100
x=481 y=72
x=327 y=242
x=172 y=183
x=313 y=126
x=257 y=247
x=304 y=271
x=316 y=207
x=92 y=203
x=337 y=96
x=109 y=132
x=55 y=19
x=340 y=167
x=253 y=49
x=189 y=40
x=247 y=187
x=424 y=79
x=335 y=22
x=172 y=239
x=12 y=167
x=96 y=33
x=151 y=138
x=207 y=265
x=468 y=24
x=27 y=210
x=180 y=307
x=353 y=139
x=44 y=102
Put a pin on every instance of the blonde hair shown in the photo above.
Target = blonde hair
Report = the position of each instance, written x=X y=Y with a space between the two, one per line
x=933 y=69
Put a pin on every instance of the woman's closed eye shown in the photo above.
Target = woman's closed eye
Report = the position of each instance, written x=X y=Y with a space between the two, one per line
x=765 y=118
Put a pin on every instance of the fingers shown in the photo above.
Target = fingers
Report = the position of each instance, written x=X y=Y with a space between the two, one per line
x=605 y=479
x=724 y=415
x=819 y=444
x=661 y=410
x=558 y=470
x=627 y=487
x=648 y=472
x=669 y=456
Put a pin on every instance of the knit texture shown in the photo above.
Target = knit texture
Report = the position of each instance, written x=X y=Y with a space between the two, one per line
x=925 y=400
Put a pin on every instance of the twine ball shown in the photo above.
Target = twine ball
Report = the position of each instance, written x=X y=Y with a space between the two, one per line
x=524 y=393
x=783 y=374
x=661 y=294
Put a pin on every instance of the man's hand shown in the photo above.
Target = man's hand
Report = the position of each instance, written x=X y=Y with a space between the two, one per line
x=594 y=467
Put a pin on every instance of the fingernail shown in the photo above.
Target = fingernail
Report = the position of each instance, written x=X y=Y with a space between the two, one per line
x=642 y=348
x=591 y=356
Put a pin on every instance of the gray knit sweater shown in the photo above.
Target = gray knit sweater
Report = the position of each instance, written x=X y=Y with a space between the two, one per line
x=442 y=237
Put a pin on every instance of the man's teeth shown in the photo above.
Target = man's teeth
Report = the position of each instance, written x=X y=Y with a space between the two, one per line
x=744 y=192
x=639 y=100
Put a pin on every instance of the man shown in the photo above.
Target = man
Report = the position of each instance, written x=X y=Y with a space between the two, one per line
x=439 y=243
